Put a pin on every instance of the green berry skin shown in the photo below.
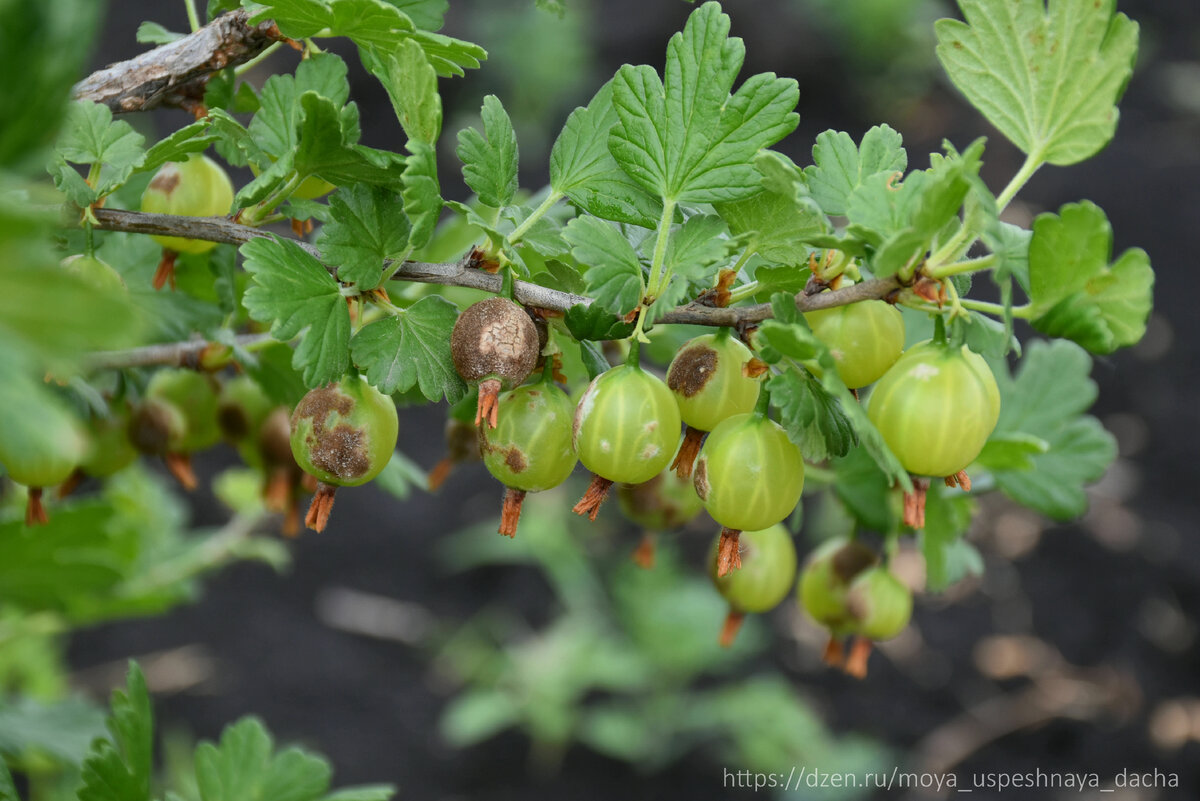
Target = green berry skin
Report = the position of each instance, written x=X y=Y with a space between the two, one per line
x=707 y=380
x=627 y=425
x=95 y=273
x=749 y=474
x=197 y=187
x=880 y=602
x=825 y=581
x=109 y=448
x=241 y=408
x=936 y=408
x=344 y=433
x=865 y=339
x=43 y=451
x=663 y=503
x=194 y=395
x=767 y=573
x=530 y=447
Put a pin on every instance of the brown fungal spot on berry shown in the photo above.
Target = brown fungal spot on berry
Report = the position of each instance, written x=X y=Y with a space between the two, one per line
x=700 y=478
x=851 y=559
x=274 y=439
x=692 y=369
x=515 y=460
x=166 y=180
x=233 y=421
x=494 y=337
x=152 y=426
x=341 y=449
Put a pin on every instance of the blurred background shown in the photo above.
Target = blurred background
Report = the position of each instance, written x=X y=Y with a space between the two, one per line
x=412 y=645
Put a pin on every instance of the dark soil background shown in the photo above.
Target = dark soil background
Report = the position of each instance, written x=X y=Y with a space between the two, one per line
x=1117 y=595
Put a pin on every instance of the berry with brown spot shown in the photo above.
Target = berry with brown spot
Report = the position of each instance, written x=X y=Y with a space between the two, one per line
x=530 y=448
x=494 y=344
x=709 y=379
x=343 y=434
x=197 y=187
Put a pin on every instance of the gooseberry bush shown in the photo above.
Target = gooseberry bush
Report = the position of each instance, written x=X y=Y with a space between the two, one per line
x=148 y=306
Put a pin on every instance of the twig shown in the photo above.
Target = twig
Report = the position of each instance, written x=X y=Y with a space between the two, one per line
x=175 y=74
x=175 y=354
x=217 y=229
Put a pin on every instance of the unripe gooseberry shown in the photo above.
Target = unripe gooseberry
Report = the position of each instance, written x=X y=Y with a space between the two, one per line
x=95 y=273
x=664 y=502
x=109 y=448
x=768 y=570
x=936 y=408
x=882 y=606
x=41 y=451
x=494 y=344
x=626 y=429
x=826 y=578
x=865 y=339
x=195 y=395
x=197 y=187
x=712 y=379
x=344 y=434
x=749 y=475
x=530 y=449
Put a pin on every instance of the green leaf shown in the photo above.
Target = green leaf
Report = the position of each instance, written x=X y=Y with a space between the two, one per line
x=153 y=33
x=583 y=169
x=411 y=84
x=1012 y=450
x=119 y=770
x=245 y=767
x=1048 y=78
x=400 y=475
x=948 y=556
x=1044 y=402
x=839 y=167
x=369 y=23
x=325 y=149
x=476 y=715
x=450 y=56
x=90 y=135
x=271 y=367
x=8 y=791
x=427 y=15
x=1076 y=293
x=294 y=293
x=594 y=322
x=614 y=274
x=175 y=147
x=44 y=48
x=410 y=349
x=422 y=193
x=366 y=792
x=367 y=226
x=489 y=159
x=63 y=730
x=777 y=227
x=275 y=127
x=698 y=247
x=811 y=416
x=865 y=490
x=686 y=139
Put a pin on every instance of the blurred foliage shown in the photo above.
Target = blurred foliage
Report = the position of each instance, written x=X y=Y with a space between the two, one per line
x=628 y=663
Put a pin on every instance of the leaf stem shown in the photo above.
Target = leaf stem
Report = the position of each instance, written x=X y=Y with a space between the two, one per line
x=193 y=17
x=959 y=267
x=1033 y=162
x=265 y=207
x=656 y=265
x=242 y=69
x=742 y=292
x=533 y=217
